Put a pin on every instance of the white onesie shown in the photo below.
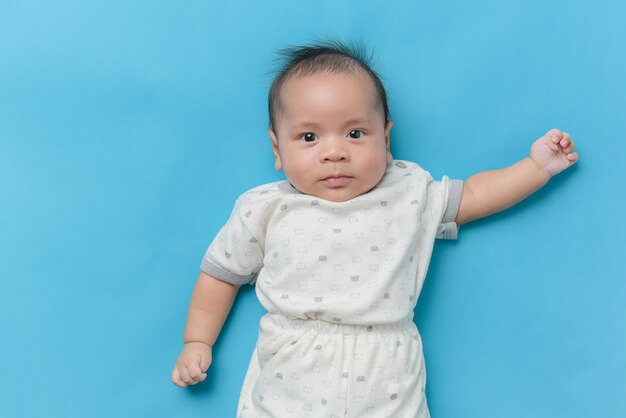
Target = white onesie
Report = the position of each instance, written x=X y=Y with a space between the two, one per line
x=340 y=281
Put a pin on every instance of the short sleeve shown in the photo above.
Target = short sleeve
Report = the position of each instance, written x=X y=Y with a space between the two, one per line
x=235 y=255
x=451 y=191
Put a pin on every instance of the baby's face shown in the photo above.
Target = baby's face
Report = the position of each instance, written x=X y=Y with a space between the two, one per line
x=330 y=137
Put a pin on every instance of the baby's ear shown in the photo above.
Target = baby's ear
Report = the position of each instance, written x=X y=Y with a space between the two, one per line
x=277 y=163
x=388 y=140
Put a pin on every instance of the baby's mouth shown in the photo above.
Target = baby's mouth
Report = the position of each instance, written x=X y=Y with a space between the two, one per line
x=336 y=180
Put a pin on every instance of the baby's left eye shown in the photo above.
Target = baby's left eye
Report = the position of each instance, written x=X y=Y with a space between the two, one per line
x=355 y=134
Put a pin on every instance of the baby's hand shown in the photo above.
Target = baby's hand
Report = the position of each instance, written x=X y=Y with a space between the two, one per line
x=553 y=152
x=192 y=364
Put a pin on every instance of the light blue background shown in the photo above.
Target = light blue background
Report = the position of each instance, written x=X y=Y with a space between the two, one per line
x=128 y=128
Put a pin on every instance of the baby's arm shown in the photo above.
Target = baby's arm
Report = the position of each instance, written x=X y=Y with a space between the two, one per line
x=210 y=304
x=492 y=191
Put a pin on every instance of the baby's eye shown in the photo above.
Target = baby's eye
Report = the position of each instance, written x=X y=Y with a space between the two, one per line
x=308 y=137
x=355 y=134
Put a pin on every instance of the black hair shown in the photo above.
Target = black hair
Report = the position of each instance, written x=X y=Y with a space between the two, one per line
x=333 y=56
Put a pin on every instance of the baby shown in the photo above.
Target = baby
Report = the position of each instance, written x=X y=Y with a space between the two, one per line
x=339 y=251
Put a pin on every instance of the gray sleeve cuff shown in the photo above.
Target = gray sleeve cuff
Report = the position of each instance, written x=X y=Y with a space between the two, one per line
x=224 y=275
x=449 y=229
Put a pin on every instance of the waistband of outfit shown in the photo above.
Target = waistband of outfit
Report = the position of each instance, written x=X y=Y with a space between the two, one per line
x=322 y=326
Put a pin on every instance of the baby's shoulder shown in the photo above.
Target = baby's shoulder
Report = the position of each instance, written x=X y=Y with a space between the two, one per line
x=264 y=194
x=402 y=170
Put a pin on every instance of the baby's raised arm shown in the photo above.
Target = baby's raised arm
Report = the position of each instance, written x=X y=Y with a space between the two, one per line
x=210 y=304
x=489 y=192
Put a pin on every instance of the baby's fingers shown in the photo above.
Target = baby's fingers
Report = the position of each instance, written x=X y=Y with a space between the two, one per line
x=177 y=379
x=568 y=145
x=195 y=373
x=560 y=140
x=553 y=136
x=563 y=139
x=187 y=373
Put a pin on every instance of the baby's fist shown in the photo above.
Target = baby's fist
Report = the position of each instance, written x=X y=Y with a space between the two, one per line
x=192 y=364
x=553 y=152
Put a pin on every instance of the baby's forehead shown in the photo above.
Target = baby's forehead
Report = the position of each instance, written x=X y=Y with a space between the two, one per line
x=324 y=77
x=336 y=81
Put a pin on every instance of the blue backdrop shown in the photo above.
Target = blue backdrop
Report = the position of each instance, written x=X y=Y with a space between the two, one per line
x=128 y=128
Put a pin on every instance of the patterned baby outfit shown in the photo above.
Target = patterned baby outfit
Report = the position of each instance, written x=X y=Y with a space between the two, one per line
x=340 y=281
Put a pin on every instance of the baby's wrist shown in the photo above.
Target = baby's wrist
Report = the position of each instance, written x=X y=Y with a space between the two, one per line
x=197 y=342
x=542 y=171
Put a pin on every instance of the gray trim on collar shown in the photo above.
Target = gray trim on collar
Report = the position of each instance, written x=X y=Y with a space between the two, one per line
x=286 y=187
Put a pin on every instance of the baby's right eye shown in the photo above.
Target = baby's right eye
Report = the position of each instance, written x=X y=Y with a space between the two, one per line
x=308 y=137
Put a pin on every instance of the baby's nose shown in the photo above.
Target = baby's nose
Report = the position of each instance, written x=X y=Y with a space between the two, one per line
x=335 y=150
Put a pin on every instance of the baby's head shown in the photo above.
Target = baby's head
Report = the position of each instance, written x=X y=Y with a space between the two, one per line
x=329 y=122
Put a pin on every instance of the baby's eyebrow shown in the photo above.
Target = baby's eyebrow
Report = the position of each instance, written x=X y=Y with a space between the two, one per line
x=313 y=125
x=356 y=121
x=300 y=125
